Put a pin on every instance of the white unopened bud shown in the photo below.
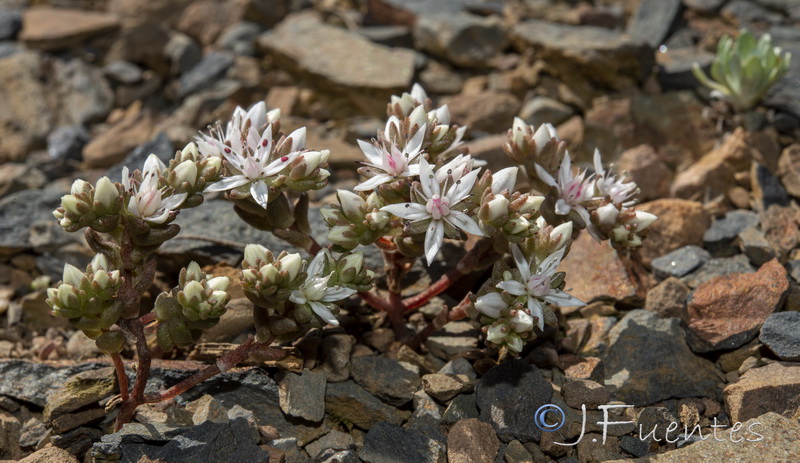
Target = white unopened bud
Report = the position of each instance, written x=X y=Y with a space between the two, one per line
x=101 y=279
x=353 y=261
x=70 y=204
x=608 y=214
x=312 y=160
x=498 y=208
x=377 y=219
x=504 y=179
x=291 y=263
x=254 y=253
x=544 y=134
x=643 y=220
x=106 y=193
x=99 y=261
x=418 y=117
x=186 y=172
x=496 y=334
x=194 y=291
x=519 y=225
x=561 y=235
x=491 y=304
x=518 y=131
x=418 y=93
x=532 y=204
x=190 y=150
x=620 y=234
x=218 y=283
x=72 y=275
x=194 y=272
x=78 y=186
x=273 y=115
x=351 y=204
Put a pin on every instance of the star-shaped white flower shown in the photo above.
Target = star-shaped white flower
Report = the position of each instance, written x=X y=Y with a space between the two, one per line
x=251 y=158
x=440 y=207
x=573 y=190
x=147 y=201
x=608 y=185
x=536 y=286
x=315 y=291
x=393 y=162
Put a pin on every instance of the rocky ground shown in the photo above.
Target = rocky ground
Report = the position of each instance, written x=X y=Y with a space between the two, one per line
x=700 y=327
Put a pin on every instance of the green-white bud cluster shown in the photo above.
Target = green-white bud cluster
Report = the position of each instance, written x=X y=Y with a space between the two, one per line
x=625 y=227
x=356 y=220
x=514 y=215
x=348 y=270
x=190 y=172
x=528 y=146
x=96 y=206
x=88 y=300
x=195 y=305
x=268 y=281
x=308 y=171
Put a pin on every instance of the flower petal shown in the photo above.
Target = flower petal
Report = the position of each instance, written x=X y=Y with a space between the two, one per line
x=427 y=179
x=464 y=222
x=228 y=183
x=372 y=152
x=323 y=312
x=563 y=299
x=415 y=144
x=522 y=263
x=337 y=294
x=433 y=240
x=545 y=176
x=409 y=211
x=537 y=311
x=373 y=182
x=491 y=304
x=260 y=193
x=513 y=287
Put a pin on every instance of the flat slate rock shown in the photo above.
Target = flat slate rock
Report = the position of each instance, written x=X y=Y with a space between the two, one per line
x=389 y=443
x=20 y=212
x=648 y=361
x=653 y=20
x=508 y=396
x=720 y=238
x=680 y=261
x=781 y=333
x=387 y=379
x=718 y=267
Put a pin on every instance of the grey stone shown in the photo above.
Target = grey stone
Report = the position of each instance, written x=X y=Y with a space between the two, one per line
x=335 y=350
x=349 y=401
x=648 y=360
x=508 y=396
x=718 y=267
x=653 y=421
x=584 y=392
x=675 y=67
x=653 y=20
x=668 y=298
x=33 y=382
x=459 y=366
x=85 y=388
x=452 y=339
x=680 y=261
x=600 y=55
x=463 y=39
x=183 y=52
x=303 y=395
x=86 y=95
x=781 y=333
x=541 y=109
x=793 y=267
x=704 y=5
x=210 y=69
x=21 y=211
x=747 y=12
x=8 y=49
x=387 y=379
x=462 y=407
x=240 y=38
x=340 y=456
x=123 y=72
x=720 y=238
x=767 y=188
x=391 y=36
x=756 y=247
x=243 y=423
x=77 y=441
x=335 y=440
x=32 y=433
x=783 y=94
x=634 y=446
x=66 y=143
x=10 y=24
x=427 y=417
x=207 y=408
x=389 y=443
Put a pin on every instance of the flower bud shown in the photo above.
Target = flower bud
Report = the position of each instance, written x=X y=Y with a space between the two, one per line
x=100 y=279
x=254 y=254
x=343 y=236
x=496 y=333
x=72 y=276
x=496 y=209
x=561 y=235
x=608 y=214
x=418 y=117
x=518 y=225
x=218 y=283
x=193 y=292
x=531 y=204
x=269 y=273
x=504 y=179
x=518 y=130
x=190 y=151
x=351 y=204
x=353 y=263
x=106 y=193
x=311 y=160
x=273 y=115
x=186 y=172
x=79 y=186
x=491 y=304
x=378 y=219
x=544 y=134
x=643 y=220
x=194 y=272
x=72 y=205
x=292 y=263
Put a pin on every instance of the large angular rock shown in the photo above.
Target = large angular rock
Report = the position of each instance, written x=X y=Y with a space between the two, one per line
x=727 y=312
x=132 y=128
x=715 y=172
x=20 y=212
x=341 y=61
x=600 y=55
x=720 y=238
x=86 y=95
x=508 y=396
x=86 y=388
x=391 y=381
x=463 y=39
x=771 y=388
x=470 y=441
x=781 y=333
x=349 y=401
x=490 y=111
x=653 y=20
x=680 y=223
x=666 y=368
x=303 y=395
x=389 y=443
x=33 y=382
x=789 y=169
x=58 y=28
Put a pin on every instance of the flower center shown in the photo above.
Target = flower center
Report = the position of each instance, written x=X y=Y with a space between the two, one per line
x=149 y=202
x=394 y=163
x=539 y=285
x=251 y=168
x=438 y=207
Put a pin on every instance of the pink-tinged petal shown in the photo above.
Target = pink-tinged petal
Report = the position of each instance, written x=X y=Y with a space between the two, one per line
x=563 y=299
x=173 y=202
x=522 y=262
x=545 y=176
x=372 y=152
x=323 y=312
x=427 y=179
x=513 y=287
x=260 y=193
x=462 y=221
x=415 y=144
x=373 y=183
x=228 y=183
x=433 y=240
x=279 y=164
x=537 y=311
x=408 y=211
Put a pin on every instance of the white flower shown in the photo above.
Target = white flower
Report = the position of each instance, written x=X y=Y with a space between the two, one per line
x=541 y=136
x=439 y=208
x=537 y=286
x=455 y=168
x=608 y=185
x=251 y=159
x=573 y=190
x=393 y=162
x=147 y=200
x=316 y=293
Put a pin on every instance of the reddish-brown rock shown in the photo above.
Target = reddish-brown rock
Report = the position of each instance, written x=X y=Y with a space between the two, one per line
x=645 y=167
x=771 y=388
x=128 y=130
x=58 y=28
x=727 y=311
x=779 y=225
x=489 y=111
x=789 y=169
x=471 y=441
x=715 y=172
x=680 y=223
x=596 y=271
x=575 y=368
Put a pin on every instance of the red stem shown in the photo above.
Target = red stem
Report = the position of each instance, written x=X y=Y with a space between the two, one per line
x=122 y=377
x=149 y=317
x=143 y=357
x=375 y=301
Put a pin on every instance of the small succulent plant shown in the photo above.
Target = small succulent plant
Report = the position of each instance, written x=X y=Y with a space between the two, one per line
x=744 y=69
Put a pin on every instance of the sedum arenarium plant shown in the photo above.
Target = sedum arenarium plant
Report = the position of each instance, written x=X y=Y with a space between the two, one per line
x=744 y=69
x=420 y=187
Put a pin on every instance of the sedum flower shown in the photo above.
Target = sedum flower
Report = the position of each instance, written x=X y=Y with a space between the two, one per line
x=607 y=184
x=391 y=163
x=537 y=287
x=148 y=201
x=572 y=190
x=441 y=203
x=315 y=293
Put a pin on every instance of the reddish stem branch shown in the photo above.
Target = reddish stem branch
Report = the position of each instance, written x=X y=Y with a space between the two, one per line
x=122 y=376
x=149 y=317
x=375 y=301
x=143 y=358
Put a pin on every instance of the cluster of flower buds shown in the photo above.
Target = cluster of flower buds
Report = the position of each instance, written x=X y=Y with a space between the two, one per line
x=356 y=220
x=96 y=206
x=530 y=147
x=624 y=227
x=513 y=302
x=88 y=300
x=289 y=298
x=195 y=305
x=259 y=162
x=190 y=172
x=514 y=215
